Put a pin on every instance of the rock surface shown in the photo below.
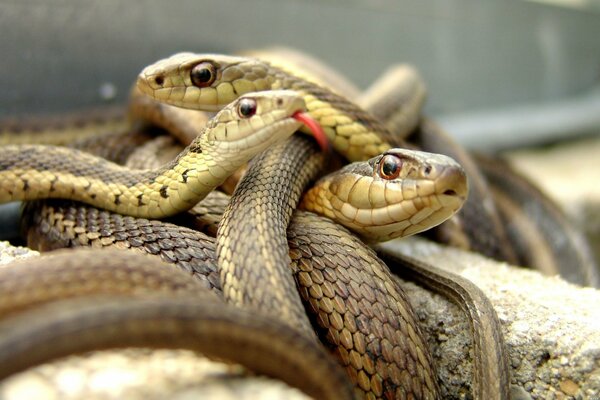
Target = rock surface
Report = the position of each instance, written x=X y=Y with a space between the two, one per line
x=9 y=253
x=552 y=328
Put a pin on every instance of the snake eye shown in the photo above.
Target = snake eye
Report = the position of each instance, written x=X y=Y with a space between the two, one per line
x=203 y=74
x=390 y=167
x=247 y=108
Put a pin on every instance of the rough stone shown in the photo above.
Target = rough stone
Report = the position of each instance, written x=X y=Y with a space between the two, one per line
x=551 y=327
x=142 y=374
x=9 y=253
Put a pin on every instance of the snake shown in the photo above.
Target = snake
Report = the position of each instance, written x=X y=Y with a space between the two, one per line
x=204 y=81
x=237 y=133
x=366 y=382
x=390 y=164
x=62 y=129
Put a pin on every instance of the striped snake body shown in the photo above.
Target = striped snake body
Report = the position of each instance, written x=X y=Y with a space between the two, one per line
x=208 y=82
x=29 y=172
x=358 y=136
x=370 y=380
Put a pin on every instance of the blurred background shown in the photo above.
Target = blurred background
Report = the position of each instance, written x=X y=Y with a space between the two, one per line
x=500 y=73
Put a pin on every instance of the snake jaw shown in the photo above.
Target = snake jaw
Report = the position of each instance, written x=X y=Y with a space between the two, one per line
x=423 y=191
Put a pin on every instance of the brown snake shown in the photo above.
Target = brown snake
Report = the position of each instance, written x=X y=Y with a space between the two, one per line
x=170 y=74
x=363 y=384
x=125 y=299
x=337 y=290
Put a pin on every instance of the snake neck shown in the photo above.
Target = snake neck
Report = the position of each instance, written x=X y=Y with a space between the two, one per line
x=30 y=172
x=352 y=131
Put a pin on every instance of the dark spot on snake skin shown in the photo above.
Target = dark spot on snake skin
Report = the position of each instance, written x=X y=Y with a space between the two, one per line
x=196 y=148
x=184 y=175
x=163 y=192
x=25 y=184
x=117 y=200
x=93 y=195
x=140 y=199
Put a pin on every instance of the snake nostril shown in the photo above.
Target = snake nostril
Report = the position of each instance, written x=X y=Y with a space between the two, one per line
x=449 y=192
x=159 y=80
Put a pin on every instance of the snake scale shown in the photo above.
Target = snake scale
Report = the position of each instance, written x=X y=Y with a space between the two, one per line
x=369 y=382
x=112 y=311
x=62 y=232
x=426 y=385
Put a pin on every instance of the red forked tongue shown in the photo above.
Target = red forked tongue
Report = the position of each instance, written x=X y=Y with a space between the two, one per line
x=315 y=128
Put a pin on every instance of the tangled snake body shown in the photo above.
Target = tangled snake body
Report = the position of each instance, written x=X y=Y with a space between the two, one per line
x=29 y=172
x=373 y=380
x=377 y=379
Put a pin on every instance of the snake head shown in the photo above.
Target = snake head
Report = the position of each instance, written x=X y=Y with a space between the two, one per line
x=254 y=121
x=203 y=81
x=396 y=194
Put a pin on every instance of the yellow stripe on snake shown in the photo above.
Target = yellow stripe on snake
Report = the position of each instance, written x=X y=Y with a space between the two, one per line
x=237 y=133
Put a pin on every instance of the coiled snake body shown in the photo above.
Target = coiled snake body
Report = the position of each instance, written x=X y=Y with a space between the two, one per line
x=339 y=126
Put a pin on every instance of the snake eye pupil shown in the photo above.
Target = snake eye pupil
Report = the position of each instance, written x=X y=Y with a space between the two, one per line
x=203 y=74
x=247 y=108
x=390 y=167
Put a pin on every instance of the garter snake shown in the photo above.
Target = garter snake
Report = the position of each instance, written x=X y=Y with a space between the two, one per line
x=370 y=379
x=342 y=130
x=205 y=81
x=237 y=133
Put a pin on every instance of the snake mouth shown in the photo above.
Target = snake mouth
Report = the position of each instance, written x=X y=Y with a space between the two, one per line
x=315 y=128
